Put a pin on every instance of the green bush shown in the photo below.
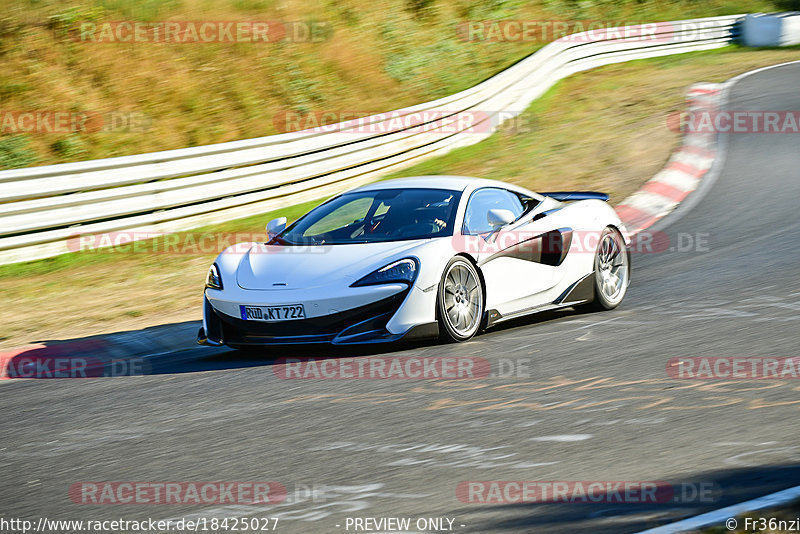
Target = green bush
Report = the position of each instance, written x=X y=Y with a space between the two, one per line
x=419 y=8
x=69 y=147
x=14 y=152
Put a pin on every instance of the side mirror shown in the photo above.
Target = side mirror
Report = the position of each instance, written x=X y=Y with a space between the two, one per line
x=497 y=218
x=275 y=226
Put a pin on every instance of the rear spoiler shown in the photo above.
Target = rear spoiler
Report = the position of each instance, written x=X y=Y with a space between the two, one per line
x=565 y=196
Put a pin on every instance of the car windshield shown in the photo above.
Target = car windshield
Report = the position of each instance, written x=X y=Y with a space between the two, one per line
x=376 y=216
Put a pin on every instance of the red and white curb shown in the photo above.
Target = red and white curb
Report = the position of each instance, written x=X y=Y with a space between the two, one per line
x=685 y=169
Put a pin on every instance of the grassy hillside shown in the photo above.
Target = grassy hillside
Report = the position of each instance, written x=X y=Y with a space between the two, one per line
x=380 y=54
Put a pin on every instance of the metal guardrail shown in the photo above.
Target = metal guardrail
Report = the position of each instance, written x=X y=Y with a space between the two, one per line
x=43 y=208
x=771 y=29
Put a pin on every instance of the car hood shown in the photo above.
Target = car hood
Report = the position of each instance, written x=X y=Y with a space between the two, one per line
x=277 y=267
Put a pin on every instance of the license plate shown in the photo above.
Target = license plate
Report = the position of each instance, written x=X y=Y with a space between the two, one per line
x=272 y=313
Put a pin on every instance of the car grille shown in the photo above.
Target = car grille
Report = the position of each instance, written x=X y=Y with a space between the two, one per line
x=314 y=329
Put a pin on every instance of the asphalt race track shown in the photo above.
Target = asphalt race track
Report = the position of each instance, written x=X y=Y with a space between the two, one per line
x=598 y=404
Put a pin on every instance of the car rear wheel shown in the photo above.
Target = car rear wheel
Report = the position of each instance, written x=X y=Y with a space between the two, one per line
x=611 y=271
x=460 y=302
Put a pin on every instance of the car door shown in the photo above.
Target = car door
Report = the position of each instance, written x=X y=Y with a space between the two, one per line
x=519 y=261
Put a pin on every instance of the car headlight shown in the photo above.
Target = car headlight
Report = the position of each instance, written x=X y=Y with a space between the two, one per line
x=404 y=271
x=213 y=279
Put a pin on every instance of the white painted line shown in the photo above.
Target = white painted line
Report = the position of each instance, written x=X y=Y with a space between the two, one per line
x=721 y=515
x=563 y=438
x=597 y=323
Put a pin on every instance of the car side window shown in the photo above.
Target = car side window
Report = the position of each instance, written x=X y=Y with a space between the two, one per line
x=483 y=200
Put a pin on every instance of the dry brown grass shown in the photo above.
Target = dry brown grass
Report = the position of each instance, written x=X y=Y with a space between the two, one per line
x=381 y=56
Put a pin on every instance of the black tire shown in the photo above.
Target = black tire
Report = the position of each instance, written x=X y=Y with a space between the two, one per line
x=460 y=301
x=609 y=292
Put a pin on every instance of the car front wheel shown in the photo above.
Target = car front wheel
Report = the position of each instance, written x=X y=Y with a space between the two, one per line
x=460 y=301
